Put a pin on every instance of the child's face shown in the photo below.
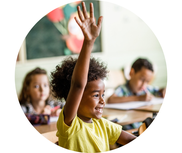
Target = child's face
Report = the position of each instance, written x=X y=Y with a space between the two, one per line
x=92 y=103
x=39 y=88
x=140 y=80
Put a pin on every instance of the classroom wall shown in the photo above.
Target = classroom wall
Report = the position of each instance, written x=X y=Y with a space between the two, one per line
x=125 y=37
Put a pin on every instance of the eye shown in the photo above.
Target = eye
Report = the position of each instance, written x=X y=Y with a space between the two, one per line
x=96 y=95
x=103 y=95
x=36 y=86
x=45 y=85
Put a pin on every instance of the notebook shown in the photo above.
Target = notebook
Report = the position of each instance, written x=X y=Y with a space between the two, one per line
x=134 y=104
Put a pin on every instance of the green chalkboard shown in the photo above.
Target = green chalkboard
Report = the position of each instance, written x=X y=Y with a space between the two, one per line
x=46 y=39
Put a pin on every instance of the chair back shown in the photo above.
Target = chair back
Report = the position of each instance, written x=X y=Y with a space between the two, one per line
x=145 y=125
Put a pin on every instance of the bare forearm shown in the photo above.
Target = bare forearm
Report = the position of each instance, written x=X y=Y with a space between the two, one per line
x=116 y=99
x=80 y=72
x=125 y=138
x=78 y=82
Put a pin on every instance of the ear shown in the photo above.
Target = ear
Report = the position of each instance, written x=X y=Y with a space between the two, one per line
x=132 y=72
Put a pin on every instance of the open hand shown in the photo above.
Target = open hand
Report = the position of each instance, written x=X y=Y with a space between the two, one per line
x=87 y=24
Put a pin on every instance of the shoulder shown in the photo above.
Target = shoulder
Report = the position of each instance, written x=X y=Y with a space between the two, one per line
x=152 y=88
x=64 y=129
x=27 y=108
x=122 y=90
x=121 y=86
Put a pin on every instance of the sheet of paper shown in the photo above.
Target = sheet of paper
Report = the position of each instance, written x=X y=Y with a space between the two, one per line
x=135 y=104
x=53 y=119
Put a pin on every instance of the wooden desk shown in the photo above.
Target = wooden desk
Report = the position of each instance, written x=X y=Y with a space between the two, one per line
x=151 y=108
x=132 y=117
x=46 y=128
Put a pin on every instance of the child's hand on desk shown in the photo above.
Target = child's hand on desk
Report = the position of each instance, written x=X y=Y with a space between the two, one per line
x=56 y=112
x=163 y=92
x=89 y=28
x=146 y=97
x=47 y=110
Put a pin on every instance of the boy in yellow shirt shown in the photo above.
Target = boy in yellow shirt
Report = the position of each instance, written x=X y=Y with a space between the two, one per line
x=80 y=82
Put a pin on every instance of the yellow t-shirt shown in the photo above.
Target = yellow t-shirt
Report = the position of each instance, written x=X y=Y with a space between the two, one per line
x=87 y=137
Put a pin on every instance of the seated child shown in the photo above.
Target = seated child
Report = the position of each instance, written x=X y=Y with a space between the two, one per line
x=79 y=81
x=137 y=88
x=35 y=94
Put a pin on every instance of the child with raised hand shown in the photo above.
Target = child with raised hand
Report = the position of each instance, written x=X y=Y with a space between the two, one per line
x=80 y=82
x=35 y=94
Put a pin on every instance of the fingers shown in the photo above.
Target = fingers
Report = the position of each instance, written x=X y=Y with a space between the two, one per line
x=163 y=92
x=86 y=23
x=80 y=14
x=99 y=21
x=146 y=97
x=91 y=11
x=58 y=111
x=83 y=15
x=47 y=110
x=78 y=21
x=149 y=97
x=84 y=10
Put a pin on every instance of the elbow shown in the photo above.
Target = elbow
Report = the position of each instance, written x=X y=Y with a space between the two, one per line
x=112 y=99
x=109 y=100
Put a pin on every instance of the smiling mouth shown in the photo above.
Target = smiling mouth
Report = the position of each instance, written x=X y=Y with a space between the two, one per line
x=100 y=110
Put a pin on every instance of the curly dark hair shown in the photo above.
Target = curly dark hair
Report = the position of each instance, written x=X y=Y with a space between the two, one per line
x=142 y=62
x=61 y=77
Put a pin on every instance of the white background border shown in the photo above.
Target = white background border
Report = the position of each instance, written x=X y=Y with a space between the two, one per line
x=165 y=20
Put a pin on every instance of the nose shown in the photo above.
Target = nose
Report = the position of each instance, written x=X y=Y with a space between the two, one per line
x=41 y=88
x=102 y=100
x=144 y=85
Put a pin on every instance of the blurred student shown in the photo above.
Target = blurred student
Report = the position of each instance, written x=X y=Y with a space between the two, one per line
x=79 y=81
x=137 y=88
x=35 y=94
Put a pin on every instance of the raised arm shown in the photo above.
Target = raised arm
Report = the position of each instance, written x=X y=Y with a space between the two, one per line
x=79 y=78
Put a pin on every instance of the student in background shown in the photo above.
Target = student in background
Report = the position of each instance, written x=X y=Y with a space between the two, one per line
x=35 y=94
x=79 y=81
x=137 y=88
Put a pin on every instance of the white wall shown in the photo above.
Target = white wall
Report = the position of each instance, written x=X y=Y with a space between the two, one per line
x=125 y=37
